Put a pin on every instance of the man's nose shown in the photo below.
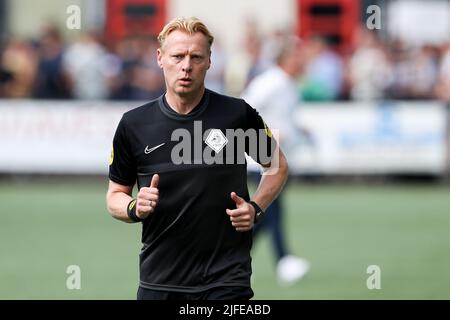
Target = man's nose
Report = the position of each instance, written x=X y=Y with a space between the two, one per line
x=187 y=66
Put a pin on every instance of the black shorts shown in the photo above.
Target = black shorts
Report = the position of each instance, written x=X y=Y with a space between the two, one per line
x=218 y=293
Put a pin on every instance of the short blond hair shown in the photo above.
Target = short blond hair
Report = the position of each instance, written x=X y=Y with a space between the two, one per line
x=190 y=25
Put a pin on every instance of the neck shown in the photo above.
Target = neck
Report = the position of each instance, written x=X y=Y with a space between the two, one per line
x=291 y=73
x=183 y=104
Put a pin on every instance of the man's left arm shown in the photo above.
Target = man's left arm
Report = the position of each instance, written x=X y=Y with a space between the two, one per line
x=243 y=217
x=271 y=185
x=268 y=154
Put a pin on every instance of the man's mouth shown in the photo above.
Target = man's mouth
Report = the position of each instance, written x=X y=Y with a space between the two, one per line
x=185 y=81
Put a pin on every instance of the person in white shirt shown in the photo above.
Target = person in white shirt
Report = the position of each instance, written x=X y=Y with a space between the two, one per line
x=89 y=67
x=275 y=94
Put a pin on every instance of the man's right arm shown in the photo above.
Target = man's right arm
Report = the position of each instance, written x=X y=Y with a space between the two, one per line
x=117 y=199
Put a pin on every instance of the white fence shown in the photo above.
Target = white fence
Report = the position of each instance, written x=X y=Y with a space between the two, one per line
x=336 y=138
x=401 y=137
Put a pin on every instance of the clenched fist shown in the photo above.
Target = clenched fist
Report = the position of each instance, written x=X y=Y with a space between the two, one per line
x=242 y=218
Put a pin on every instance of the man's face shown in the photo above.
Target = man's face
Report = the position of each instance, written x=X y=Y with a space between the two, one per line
x=184 y=59
x=292 y=62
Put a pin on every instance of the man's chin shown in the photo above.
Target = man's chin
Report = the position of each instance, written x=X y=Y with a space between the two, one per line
x=186 y=91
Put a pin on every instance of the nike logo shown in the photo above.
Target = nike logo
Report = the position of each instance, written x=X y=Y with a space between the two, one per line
x=148 y=150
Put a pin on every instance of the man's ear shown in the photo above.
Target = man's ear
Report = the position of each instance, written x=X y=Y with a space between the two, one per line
x=159 y=57
x=209 y=60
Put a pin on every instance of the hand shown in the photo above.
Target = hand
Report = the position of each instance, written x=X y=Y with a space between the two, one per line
x=242 y=218
x=147 y=198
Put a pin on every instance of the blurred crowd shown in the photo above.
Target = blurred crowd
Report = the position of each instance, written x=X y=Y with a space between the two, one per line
x=50 y=68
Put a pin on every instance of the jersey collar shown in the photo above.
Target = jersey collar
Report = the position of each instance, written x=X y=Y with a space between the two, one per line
x=169 y=112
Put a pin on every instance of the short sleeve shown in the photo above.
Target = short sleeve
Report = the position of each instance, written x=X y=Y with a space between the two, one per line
x=122 y=167
x=263 y=148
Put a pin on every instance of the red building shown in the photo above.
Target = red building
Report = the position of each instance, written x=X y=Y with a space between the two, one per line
x=335 y=20
x=134 y=17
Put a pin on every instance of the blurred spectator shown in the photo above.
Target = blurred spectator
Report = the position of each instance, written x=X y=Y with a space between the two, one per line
x=443 y=84
x=147 y=80
x=215 y=77
x=324 y=73
x=127 y=53
x=5 y=77
x=402 y=70
x=141 y=77
x=425 y=72
x=19 y=61
x=51 y=82
x=89 y=68
x=369 y=71
x=259 y=62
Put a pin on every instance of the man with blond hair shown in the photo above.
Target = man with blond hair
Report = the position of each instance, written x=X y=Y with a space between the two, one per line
x=183 y=152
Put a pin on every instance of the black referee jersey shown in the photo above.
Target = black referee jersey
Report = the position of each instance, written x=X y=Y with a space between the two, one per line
x=189 y=244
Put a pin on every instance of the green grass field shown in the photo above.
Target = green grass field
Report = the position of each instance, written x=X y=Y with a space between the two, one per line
x=341 y=229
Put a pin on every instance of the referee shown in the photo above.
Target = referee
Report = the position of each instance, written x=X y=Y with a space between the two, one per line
x=196 y=214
